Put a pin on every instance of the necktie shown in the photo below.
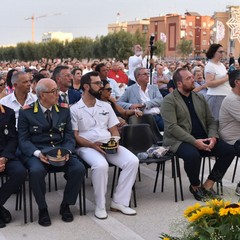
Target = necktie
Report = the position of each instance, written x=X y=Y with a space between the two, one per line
x=64 y=98
x=48 y=116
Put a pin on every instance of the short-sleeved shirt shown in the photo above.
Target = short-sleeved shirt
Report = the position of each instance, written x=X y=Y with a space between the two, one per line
x=93 y=123
x=220 y=71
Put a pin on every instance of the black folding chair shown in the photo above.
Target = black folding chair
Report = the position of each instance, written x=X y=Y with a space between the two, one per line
x=138 y=138
x=148 y=119
x=20 y=196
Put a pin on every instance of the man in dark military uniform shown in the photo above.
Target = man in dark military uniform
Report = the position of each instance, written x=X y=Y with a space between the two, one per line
x=8 y=162
x=40 y=126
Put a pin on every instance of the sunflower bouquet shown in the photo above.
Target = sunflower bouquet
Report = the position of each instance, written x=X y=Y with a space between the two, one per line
x=215 y=220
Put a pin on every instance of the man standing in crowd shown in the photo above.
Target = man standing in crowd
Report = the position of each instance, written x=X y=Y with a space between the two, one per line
x=192 y=133
x=135 y=61
x=45 y=125
x=143 y=96
x=9 y=165
x=229 y=116
x=63 y=77
x=94 y=122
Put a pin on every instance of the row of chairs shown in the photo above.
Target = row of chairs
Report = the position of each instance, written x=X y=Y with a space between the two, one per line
x=140 y=134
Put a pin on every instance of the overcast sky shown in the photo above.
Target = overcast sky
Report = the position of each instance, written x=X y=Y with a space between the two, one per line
x=88 y=17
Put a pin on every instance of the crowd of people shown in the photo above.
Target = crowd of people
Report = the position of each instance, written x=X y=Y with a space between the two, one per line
x=78 y=107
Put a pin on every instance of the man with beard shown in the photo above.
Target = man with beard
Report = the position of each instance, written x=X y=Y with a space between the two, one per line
x=192 y=133
x=135 y=61
x=63 y=77
x=94 y=123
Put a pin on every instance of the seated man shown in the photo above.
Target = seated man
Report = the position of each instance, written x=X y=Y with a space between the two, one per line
x=191 y=131
x=143 y=96
x=63 y=77
x=229 y=116
x=8 y=162
x=39 y=130
x=94 y=122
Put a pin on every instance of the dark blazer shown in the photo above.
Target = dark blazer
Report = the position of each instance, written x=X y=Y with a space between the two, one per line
x=36 y=134
x=8 y=133
x=73 y=96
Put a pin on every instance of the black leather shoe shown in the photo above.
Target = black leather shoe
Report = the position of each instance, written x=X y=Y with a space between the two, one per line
x=212 y=194
x=43 y=218
x=199 y=194
x=2 y=224
x=5 y=215
x=66 y=213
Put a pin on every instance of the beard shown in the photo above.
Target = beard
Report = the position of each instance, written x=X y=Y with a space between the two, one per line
x=94 y=93
x=138 y=53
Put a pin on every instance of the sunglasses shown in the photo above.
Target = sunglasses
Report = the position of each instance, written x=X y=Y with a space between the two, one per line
x=108 y=89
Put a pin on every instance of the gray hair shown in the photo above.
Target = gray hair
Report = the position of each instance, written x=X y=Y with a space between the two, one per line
x=137 y=71
x=16 y=76
x=41 y=87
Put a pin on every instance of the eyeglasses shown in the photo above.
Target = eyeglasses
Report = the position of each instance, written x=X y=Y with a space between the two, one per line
x=221 y=52
x=145 y=74
x=54 y=91
x=99 y=83
x=108 y=89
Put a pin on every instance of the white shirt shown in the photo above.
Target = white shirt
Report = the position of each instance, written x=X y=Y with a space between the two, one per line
x=133 y=63
x=145 y=98
x=93 y=123
x=11 y=102
x=219 y=70
x=229 y=118
x=63 y=93
x=115 y=88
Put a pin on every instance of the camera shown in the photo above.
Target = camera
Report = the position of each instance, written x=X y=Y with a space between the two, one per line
x=151 y=39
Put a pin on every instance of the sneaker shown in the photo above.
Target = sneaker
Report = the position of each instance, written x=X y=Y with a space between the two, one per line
x=238 y=190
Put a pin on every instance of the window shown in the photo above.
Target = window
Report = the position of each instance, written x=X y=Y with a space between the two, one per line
x=204 y=42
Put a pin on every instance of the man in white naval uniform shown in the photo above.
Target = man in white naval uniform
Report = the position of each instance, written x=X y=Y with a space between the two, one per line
x=94 y=121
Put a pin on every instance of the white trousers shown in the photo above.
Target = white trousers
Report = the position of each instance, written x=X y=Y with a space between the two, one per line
x=123 y=159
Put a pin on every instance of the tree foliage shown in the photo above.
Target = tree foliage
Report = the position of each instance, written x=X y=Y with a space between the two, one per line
x=160 y=48
x=185 y=47
x=114 y=45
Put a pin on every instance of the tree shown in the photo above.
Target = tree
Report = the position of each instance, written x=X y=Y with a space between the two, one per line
x=185 y=47
x=160 y=48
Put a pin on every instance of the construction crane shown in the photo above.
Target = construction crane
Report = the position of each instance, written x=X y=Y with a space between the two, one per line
x=32 y=18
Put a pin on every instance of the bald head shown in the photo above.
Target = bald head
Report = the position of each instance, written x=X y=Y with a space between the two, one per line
x=45 y=85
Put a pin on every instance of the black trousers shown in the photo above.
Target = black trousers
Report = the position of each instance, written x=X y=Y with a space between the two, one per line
x=17 y=174
x=74 y=173
x=192 y=160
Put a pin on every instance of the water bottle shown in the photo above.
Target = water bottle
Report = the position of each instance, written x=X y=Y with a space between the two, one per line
x=142 y=155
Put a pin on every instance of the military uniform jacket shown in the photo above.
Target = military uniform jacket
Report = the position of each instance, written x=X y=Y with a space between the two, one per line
x=8 y=133
x=36 y=134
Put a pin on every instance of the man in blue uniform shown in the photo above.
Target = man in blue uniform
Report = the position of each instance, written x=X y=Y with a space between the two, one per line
x=43 y=125
x=8 y=162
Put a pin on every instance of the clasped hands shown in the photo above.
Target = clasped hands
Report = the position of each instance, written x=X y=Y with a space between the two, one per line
x=206 y=144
